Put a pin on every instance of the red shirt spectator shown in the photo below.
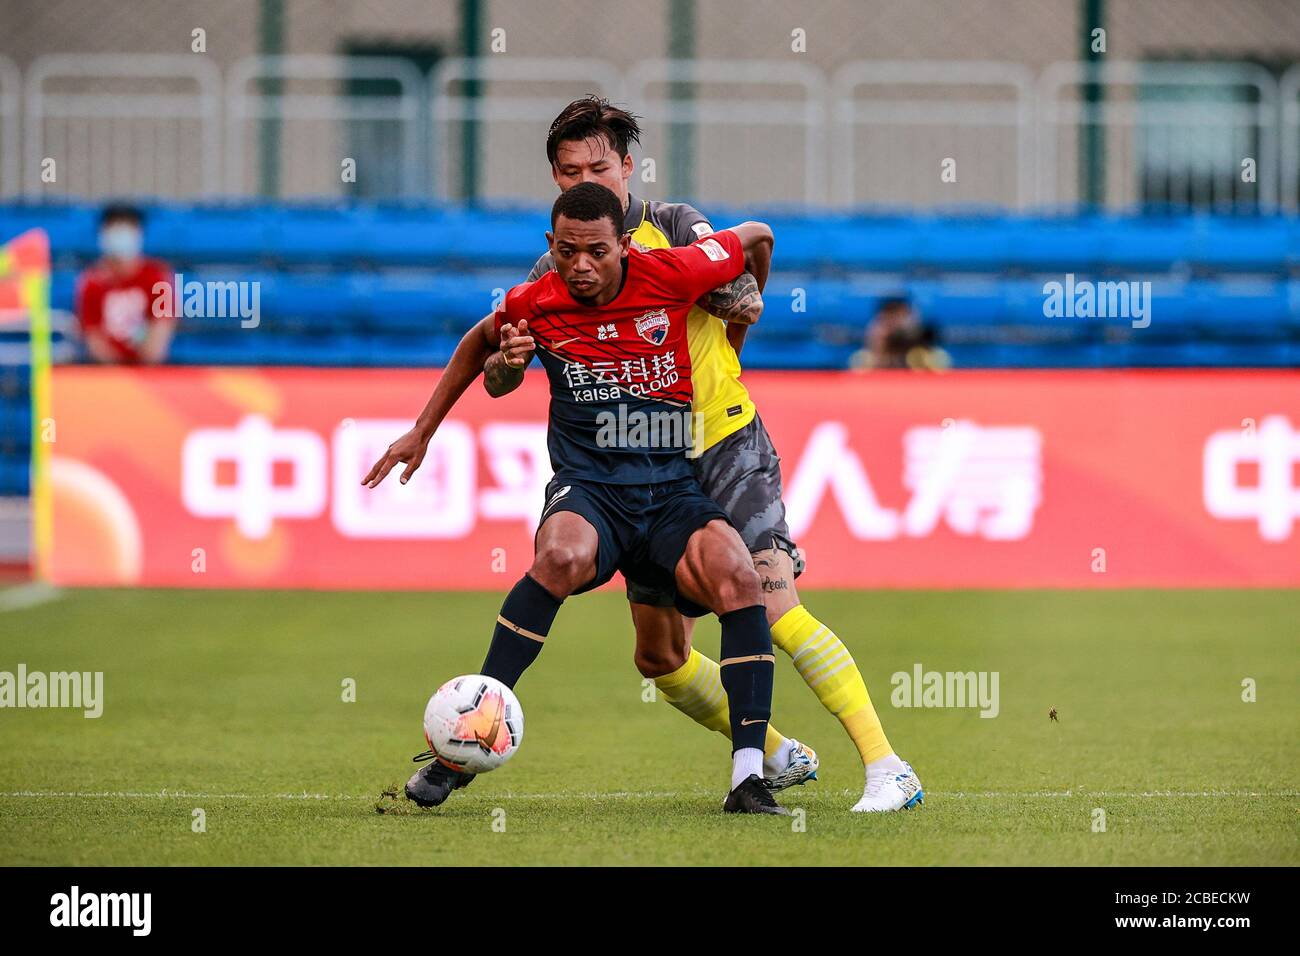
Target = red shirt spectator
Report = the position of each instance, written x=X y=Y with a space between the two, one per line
x=124 y=319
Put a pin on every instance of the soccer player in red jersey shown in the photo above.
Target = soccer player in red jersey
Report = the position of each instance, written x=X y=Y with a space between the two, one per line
x=609 y=326
x=125 y=317
x=738 y=467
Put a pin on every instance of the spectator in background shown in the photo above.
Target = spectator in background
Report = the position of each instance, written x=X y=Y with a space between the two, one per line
x=124 y=318
x=895 y=338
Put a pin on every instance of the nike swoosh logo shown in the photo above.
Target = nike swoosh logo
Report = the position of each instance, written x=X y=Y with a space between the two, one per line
x=487 y=742
x=566 y=342
x=745 y=722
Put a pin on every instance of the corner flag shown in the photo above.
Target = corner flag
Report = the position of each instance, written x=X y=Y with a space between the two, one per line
x=25 y=294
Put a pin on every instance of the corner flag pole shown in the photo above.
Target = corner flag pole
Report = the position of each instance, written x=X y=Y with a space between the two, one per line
x=37 y=289
x=25 y=292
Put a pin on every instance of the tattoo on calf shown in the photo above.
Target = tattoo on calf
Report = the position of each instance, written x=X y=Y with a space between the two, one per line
x=775 y=584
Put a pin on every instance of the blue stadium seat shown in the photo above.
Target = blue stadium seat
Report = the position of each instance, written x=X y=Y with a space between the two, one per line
x=863 y=243
x=211 y=349
x=426 y=303
x=1246 y=243
x=71 y=227
x=1011 y=356
x=974 y=245
x=1058 y=245
x=802 y=354
x=415 y=351
x=1139 y=354
x=15 y=476
x=189 y=235
x=399 y=284
x=1138 y=245
x=1233 y=310
x=63 y=289
x=313 y=235
x=15 y=418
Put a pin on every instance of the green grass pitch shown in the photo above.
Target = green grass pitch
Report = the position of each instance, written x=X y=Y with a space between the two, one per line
x=231 y=702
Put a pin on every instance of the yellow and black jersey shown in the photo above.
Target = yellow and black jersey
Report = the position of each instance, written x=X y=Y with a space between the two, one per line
x=719 y=395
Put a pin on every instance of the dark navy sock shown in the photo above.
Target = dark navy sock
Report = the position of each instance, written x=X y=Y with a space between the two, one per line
x=747 y=668
x=523 y=623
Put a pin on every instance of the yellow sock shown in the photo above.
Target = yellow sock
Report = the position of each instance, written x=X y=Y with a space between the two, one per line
x=826 y=665
x=695 y=689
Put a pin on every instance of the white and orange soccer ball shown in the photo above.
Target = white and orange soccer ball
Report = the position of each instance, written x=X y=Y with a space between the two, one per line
x=474 y=723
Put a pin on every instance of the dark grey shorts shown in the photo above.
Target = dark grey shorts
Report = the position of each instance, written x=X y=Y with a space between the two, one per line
x=742 y=473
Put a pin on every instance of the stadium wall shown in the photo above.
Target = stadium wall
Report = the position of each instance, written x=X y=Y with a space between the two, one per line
x=251 y=478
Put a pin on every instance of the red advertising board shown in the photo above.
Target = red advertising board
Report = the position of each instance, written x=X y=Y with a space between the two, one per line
x=251 y=478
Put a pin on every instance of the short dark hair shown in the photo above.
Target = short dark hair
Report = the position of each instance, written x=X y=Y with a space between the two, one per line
x=892 y=303
x=588 y=202
x=121 y=212
x=593 y=116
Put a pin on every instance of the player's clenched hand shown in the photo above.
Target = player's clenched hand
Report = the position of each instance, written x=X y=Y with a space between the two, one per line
x=409 y=450
x=517 y=345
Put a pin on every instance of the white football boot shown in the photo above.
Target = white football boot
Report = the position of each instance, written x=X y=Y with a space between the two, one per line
x=799 y=769
x=889 y=789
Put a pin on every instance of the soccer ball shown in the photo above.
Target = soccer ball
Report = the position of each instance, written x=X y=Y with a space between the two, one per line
x=474 y=723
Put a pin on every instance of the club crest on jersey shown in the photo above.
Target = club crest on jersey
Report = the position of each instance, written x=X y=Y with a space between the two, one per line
x=653 y=326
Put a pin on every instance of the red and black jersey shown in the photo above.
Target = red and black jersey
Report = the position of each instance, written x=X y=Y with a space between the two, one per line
x=616 y=368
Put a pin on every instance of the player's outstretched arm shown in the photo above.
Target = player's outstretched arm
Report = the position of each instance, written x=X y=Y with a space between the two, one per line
x=464 y=366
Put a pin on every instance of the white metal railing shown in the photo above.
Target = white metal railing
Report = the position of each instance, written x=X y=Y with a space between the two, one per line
x=497 y=103
x=873 y=132
x=10 y=103
x=164 y=141
x=1008 y=115
x=805 y=114
x=1198 y=128
x=1289 y=146
x=341 y=116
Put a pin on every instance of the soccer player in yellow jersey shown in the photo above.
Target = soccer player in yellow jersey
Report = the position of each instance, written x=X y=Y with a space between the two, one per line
x=738 y=467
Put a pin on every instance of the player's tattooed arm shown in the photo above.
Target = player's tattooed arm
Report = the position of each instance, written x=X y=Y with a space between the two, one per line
x=499 y=378
x=738 y=301
x=504 y=370
x=758 y=261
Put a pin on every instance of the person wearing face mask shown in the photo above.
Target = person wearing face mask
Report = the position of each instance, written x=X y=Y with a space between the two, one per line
x=125 y=315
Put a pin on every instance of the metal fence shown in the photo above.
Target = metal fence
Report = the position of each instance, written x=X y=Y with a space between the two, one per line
x=1289 y=148
x=103 y=124
x=912 y=134
x=726 y=141
x=322 y=123
x=500 y=110
x=1201 y=135
x=965 y=126
x=10 y=116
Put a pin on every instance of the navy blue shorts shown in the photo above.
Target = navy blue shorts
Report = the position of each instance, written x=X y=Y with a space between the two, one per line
x=641 y=530
x=742 y=473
